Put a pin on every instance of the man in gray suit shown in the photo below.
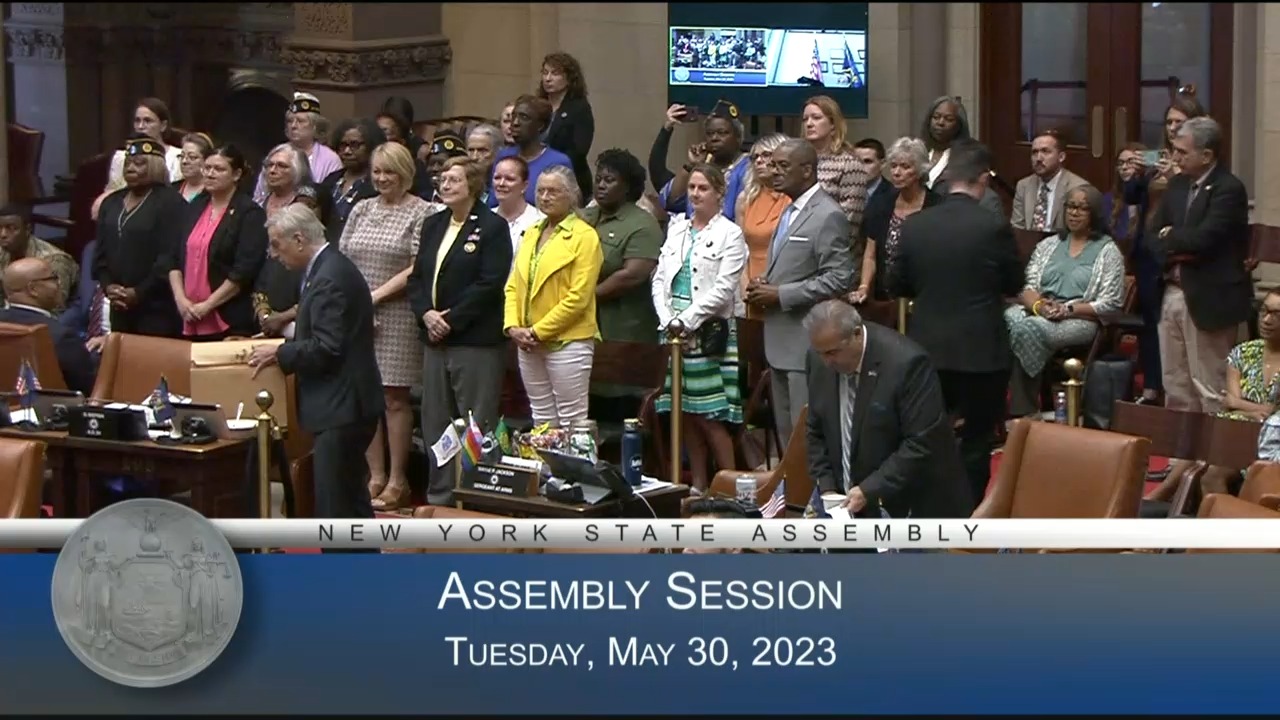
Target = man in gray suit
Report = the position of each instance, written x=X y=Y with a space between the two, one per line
x=809 y=261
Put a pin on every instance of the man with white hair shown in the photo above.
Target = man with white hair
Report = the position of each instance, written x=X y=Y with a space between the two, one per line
x=339 y=388
x=1200 y=234
x=878 y=430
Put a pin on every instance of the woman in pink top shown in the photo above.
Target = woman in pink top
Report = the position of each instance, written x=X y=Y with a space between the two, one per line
x=222 y=243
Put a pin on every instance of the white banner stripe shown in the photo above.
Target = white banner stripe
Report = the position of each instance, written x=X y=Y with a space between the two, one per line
x=462 y=534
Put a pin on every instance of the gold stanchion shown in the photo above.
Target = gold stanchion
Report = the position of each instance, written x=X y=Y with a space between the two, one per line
x=677 y=381
x=902 y=315
x=1075 y=390
x=266 y=433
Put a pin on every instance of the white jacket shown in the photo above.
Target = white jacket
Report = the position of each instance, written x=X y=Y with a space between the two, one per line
x=717 y=262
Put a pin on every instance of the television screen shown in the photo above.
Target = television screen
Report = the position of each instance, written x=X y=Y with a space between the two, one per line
x=764 y=64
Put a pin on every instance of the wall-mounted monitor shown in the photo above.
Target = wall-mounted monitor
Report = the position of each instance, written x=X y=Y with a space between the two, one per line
x=765 y=61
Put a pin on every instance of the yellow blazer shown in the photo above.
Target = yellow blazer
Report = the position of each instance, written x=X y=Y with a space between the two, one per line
x=561 y=297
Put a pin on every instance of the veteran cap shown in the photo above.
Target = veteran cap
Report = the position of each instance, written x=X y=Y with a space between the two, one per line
x=304 y=103
x=448 y=142
x=143 y=146
x=724 y=109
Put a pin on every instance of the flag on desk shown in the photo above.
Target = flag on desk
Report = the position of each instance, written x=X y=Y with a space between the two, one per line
x=447 y=446
x=163 y=404
x=472 y=444
x=777 y=503
x=27 y=385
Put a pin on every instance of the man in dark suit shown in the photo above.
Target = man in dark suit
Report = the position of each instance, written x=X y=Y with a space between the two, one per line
x=878 y=429
x=33 y=292
x=959 y=261
x=1200 y=233
x=456 y=291
x=870 y=154
x=339 y=387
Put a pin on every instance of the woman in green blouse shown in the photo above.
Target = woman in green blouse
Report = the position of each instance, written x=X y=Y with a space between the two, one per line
x=630 y=239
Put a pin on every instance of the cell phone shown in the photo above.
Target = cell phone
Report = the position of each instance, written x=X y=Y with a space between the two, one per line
x=1150 y=157
x=691 y=114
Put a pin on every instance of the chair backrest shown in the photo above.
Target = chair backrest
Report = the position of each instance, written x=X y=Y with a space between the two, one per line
x=33 y=344
x=1263 y=478
x=26 y=146
x=132 y=365
x=793 y=468
x=1058 y=471
x=90 y=180
x=1223 y=507
x=21 y=477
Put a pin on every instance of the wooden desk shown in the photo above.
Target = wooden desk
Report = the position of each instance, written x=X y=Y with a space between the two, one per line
x=665 y=502
x=214 y=473
x=1190 y=435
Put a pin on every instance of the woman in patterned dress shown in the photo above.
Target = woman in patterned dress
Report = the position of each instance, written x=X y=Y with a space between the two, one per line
x=1072 y=278
x=882 y=223
x=698 y=282
x=840 y=173
x=381 y=237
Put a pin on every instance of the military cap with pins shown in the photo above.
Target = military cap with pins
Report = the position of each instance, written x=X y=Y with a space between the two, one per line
x=725 y=109
x=143 y=146
x=304 y=103
x=448 y=142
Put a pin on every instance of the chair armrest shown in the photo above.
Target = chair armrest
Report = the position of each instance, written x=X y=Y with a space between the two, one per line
x=1123 y=320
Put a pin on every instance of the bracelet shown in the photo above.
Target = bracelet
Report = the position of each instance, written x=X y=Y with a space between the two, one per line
x=1035 y=307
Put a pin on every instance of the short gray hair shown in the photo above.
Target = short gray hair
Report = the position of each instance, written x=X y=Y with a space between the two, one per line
x=911 y=150
x=299 y=165
x=568 y=178
x=834 y=313
x=298 y=219
x=1205 y=133
x=489 y=131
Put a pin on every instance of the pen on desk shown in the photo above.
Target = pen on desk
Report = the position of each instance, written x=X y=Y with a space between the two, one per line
x=239 y=410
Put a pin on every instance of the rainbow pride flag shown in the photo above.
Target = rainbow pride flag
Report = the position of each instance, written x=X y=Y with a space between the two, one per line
x=472 y=444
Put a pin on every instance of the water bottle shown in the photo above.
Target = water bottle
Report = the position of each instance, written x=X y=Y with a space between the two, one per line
x=1060 y=408
x=745 y=487
x=632 y=452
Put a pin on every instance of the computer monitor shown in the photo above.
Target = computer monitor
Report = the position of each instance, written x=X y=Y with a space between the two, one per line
x=211 y=414
x=46 y=404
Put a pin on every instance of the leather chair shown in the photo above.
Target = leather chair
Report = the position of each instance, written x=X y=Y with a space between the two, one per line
x=26 y=147
x=1261 y=480
x=34 y=344
x=794 y=468
x=21 y=478
x=1057 y=471
x=132 y=365
x=1223 y=507
x=438 y=512
x=302 y=477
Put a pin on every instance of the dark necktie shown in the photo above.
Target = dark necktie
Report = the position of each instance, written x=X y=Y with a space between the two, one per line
x=95 y=313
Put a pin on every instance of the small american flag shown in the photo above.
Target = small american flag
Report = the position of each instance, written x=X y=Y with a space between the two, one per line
x=815 y=70
x=777 y=503
x=27 y=384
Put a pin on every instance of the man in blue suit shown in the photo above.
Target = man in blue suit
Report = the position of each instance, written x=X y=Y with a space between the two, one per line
x=33 y=291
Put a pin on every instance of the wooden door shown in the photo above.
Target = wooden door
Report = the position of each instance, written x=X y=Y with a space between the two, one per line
x=1099 y=73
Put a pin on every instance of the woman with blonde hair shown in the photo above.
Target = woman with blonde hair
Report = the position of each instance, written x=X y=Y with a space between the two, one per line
x=840 y=173
x=759 y=208
x=550 y=308
x=381 y=237
x=696 y=289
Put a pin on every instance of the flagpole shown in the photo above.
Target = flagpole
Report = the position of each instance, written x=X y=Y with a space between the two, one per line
x=459 y=426
x=264 y=400
x=677 y=380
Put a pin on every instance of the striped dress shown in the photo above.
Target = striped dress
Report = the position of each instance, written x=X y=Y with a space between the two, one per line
x=709 y=386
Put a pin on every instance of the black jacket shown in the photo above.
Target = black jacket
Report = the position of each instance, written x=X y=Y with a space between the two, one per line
x=572 y=130
x=236 y=253
x=875 y=226
x=78 y=367
x=472 y=278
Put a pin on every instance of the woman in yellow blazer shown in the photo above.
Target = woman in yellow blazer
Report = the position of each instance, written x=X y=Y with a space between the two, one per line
x=551 y=303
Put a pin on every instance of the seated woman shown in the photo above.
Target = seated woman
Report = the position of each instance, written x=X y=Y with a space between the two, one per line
x=1253 y=392
x=695 y=291
x=1072 y=277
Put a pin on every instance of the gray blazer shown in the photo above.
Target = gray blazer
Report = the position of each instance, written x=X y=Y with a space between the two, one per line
x=812 y=264
x=1027 y=194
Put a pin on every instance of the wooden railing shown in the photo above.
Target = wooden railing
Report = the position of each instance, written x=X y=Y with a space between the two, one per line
x=1035 y=85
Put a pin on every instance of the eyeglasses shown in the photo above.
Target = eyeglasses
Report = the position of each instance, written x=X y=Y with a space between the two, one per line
x=1267 y=312
x=1078 y=207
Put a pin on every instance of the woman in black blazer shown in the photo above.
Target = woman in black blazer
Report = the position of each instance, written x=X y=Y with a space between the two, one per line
x=218 y=250
x=908 y=162
x=456 y=292
x=572 y=127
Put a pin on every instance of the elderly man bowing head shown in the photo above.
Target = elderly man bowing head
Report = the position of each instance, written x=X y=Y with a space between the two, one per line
x=339 y=389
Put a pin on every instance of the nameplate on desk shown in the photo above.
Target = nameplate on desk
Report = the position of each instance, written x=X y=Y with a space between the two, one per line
x=502 y=479
x=107 y=422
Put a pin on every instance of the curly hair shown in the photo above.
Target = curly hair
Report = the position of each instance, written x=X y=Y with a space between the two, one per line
x=564 y=62
x=369 y=132
x=628 y=169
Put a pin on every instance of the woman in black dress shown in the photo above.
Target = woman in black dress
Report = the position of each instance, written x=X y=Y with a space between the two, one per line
x=342 y=189
x=136 y=226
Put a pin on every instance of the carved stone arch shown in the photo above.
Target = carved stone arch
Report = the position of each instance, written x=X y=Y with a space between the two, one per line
x=252 y=115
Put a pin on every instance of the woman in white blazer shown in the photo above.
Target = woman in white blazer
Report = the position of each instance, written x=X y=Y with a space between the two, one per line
x=696 y=291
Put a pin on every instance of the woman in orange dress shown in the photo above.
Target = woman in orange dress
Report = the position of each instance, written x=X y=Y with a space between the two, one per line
x=759 y=207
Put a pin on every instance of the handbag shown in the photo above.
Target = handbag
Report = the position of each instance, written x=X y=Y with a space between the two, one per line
x=711 y=338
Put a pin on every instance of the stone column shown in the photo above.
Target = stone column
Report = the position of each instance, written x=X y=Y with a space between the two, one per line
x=354 y=55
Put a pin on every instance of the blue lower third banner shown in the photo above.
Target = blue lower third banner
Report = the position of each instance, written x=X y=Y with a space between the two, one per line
x=686 y=634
